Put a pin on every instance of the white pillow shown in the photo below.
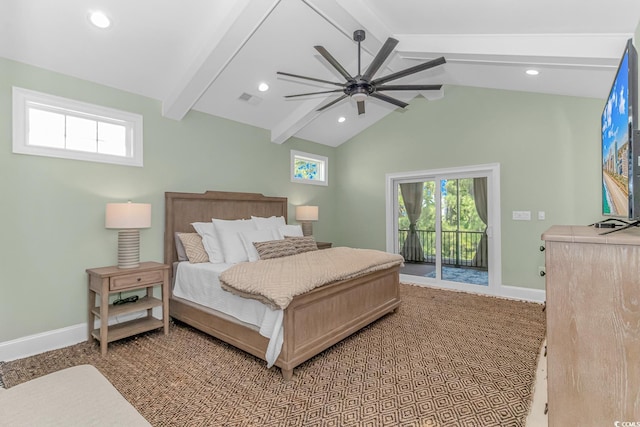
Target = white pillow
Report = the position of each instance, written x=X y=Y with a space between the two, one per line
x=269 y=223
x=210 y=241
x=290 y=230
x=248 y=237
x=228 y=232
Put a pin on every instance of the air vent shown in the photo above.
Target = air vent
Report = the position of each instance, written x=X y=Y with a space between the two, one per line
x=250 y=99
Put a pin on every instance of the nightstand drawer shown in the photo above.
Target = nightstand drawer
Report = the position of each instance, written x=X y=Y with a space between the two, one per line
x=135 y=280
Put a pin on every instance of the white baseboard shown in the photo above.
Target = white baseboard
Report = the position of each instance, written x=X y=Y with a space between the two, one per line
x=45 y=341
x=524 y=294
x=58 y=338
x=502 y=291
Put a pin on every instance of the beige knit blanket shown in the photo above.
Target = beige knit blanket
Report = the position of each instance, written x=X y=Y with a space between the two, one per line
x=276 y=281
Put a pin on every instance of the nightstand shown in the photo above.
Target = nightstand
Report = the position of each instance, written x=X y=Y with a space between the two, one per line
x=105 y=281
x=323 y=245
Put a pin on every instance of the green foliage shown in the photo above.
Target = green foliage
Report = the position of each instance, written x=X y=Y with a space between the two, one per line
x=458 y=214
x=465 y=212
x=469 y=219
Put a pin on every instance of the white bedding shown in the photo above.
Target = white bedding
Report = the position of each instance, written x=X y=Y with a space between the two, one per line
x=199 y=283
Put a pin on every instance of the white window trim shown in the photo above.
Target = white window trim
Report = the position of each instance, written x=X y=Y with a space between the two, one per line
x=22 y=98
x=492 y=172
x=314 y=157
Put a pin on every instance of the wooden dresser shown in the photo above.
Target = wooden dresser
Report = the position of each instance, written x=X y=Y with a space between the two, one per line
x=593 y=326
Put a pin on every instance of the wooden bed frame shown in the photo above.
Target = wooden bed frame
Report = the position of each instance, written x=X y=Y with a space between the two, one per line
x=312 y=322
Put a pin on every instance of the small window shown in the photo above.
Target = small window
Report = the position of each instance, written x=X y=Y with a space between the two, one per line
x=47 y=125
x=309 y=168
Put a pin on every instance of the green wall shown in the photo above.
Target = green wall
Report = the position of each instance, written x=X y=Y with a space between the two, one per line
x=547 y=147
x=53 y=209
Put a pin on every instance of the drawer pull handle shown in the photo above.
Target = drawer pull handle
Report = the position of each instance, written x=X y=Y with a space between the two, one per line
x=139 y=279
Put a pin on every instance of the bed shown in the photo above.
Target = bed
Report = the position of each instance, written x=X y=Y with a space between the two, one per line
x=312 y=322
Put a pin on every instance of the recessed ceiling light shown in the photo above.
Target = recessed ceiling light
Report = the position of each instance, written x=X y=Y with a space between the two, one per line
x=341 y=119
x=532 y=72
x=263 y=87
x=99 y=19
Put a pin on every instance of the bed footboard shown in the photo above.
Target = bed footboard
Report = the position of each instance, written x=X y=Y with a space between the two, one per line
x=313 y=321
x=319 y=319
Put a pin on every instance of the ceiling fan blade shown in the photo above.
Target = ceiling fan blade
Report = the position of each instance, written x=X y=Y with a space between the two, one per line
x=313 y=93
x=411 y=70
x=360 y=107
x=308 y=78
x=326 y=55
x=335 y=101
x=389 y=99
x=382 y=56
x=408 y=87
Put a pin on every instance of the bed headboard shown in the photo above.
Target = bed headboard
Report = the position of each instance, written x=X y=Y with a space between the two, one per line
x=181 y=209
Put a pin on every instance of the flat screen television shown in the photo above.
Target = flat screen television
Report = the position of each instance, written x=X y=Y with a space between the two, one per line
x=621 y=142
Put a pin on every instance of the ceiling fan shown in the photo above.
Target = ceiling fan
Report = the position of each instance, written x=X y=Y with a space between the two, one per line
x=361 y=86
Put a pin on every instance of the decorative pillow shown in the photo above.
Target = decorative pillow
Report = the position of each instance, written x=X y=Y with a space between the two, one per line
x=210 y=241
x=182 y=255
x=303 y=244
x=274 y=249
x=194 y=249
x=249 y=237
x=228 y=232
x=290 y=230
x=269 y=223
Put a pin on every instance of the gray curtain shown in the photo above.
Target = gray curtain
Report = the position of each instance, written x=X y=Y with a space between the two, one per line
x=480 y=259
x=412 y=196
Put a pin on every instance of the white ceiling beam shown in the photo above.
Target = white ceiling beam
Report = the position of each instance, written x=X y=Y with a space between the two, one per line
x=376 y=32
x=577 y=49
x=369 y=21
x=292 y=124
x=433 y=95
x=243 y=20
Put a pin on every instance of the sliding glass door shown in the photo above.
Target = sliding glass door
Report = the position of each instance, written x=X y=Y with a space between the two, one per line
x=442 y=226
x=463 y=241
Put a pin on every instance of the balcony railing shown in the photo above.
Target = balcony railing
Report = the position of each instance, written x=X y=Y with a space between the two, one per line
x=458 y=247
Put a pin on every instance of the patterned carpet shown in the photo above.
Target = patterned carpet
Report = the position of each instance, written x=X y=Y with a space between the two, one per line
x=443 y=359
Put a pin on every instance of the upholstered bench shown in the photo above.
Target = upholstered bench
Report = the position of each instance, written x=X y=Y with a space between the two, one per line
x=78 y=396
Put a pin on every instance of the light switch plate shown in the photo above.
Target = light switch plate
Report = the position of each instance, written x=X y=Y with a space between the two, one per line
x=521 y=215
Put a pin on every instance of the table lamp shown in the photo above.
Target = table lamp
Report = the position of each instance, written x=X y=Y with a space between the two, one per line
x=128 y=218
x=304 y=215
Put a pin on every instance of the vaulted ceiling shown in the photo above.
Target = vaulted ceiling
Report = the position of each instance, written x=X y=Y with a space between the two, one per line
x=210 y=56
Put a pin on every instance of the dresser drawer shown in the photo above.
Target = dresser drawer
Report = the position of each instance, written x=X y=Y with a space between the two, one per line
x=135 y=280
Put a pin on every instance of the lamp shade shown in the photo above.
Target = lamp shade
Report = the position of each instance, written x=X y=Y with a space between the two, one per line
x=128 y=215
x=306 y=213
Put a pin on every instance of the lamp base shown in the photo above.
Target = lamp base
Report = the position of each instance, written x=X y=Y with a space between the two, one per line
x=128 y=248
x=307 y=228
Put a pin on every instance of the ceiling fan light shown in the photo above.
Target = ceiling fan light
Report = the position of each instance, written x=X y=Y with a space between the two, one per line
x=359 y=96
